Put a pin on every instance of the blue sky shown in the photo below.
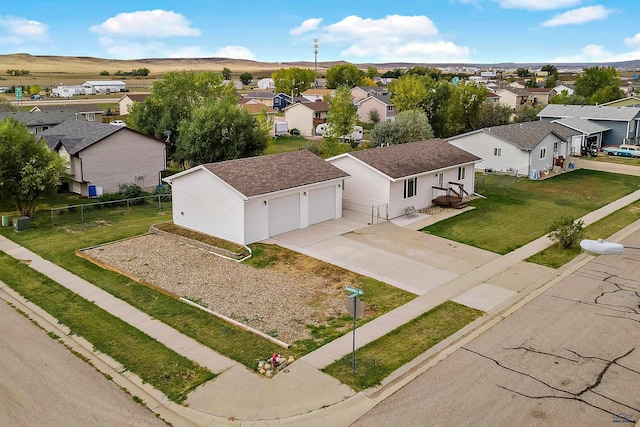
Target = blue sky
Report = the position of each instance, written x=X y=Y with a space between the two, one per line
x=449 y=31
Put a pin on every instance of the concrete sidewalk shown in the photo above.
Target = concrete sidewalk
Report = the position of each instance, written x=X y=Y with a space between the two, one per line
x=237 y=394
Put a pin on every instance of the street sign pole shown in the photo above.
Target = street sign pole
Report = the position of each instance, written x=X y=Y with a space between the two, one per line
x=356 y=311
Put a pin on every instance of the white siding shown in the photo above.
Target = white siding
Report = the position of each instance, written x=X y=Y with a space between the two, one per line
x=256 y=220
x=202 y=202
x=300 y=117
x=483 y=146
x=365 y=188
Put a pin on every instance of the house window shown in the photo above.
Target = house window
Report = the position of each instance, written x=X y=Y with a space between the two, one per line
x=91 y=117
x=555 y=147
x=461 y=172
x=543 y=153
x=317 y=115
x=497 y=152
x=440 y=178
x=410 y=187
x=389 y=107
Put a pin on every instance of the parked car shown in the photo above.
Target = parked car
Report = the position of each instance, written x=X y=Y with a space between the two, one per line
x=118 y=123
x=36 y=96
x=623 y=151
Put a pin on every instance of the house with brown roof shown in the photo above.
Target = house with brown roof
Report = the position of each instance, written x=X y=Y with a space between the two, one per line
x=520 y=147
x=390 y=179
x=102 y=158
x=251 y=199
x=125 y=103
x=306 y=116
x=515 y=97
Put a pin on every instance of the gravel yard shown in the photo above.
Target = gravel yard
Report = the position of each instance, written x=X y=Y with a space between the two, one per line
x=274 y=302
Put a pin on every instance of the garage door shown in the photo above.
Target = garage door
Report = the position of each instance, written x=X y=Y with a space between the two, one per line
x=284 y=214
x=322 y=204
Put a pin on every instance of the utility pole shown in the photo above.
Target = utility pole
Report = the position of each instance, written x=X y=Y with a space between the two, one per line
x=315 y=53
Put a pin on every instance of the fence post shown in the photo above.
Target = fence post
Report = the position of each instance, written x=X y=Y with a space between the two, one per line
x=82 y=212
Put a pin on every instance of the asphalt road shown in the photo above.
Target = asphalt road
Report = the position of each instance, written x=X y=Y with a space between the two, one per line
x=569 y=357
x=44 y=384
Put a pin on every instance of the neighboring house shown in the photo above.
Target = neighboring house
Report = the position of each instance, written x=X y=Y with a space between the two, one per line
x=359 y=93
x=623 y=122
x=565 y=86
x=517 y=148
x=394 y=178
x=39 y=121
x=380 y=103
x=88 y=112
x=313 y=95
x=257 y=109
x=251 y=199
x=266 y=84
x=306 y=116
x=127 y=101
x=492 y=98
x=277 y=101
x=630 y=101
x=104 y=86
x=103 y=158
x=516 y=85
x=515 y=97
x=590 y=134
x=541 y=95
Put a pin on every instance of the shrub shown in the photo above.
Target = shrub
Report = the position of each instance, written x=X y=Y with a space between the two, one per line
x=566 y=232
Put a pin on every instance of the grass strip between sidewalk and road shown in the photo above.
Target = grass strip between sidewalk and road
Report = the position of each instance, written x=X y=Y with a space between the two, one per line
x=166 y=370
x=376 y=360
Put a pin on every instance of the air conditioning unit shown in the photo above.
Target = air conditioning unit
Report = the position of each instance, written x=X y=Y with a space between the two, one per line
x=21 y=223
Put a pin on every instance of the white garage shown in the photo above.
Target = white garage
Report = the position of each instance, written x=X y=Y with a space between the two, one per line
x=248 y=200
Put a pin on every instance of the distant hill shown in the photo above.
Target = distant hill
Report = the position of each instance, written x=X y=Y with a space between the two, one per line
x=91 y=65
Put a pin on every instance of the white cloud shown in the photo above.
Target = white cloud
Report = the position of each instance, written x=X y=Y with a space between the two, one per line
x=634 y=41
x=306 y=26
x=235 y=52
x=537 y=4
x=392 y=38
x=15 y=30
x=579 y=16
x=597 y=53
x=146 y=23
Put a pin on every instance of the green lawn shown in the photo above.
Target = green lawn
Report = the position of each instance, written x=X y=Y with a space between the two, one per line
x=514 y=215
x=376 y=360
x=283 y=144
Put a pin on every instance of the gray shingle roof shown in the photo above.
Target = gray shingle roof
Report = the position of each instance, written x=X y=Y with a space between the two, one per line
x=252 y=176
x=593 y=112
x=76 y=135
x=414 y=158
x=585 y=126
x=40 y=118
x=529 y=134
x=80 y=108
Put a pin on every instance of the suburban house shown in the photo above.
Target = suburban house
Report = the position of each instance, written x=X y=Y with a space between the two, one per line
x=541 y=95
x=387 y=182
x=380 y=103
x=127 y=101
x=314 y=94
x=39 y=121
x=623 y=122
x=277 y=101
x=103 y=158
x=306 y=116
x=515 y=97
x=251 y=199
x=257 y=109
x=519 y=148
x=565 y=86
x=492 y=98
x=589 y=137
x=629 y=101
x=359 y=93
x=88 y=112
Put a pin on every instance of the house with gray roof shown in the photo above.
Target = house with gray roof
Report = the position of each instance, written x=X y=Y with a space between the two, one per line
x=520 y=148
x=39 y=121
x=359 y=93
x=387 y=180
x=589 y=137
x=102 y=158
x=251 y=199
x=88 y=112
x=623 y=123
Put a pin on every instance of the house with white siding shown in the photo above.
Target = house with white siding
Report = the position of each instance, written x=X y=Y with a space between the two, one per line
x=102 y=158
x=251 y=199
x=393 y=178
x=306 y=116
x=519 y=147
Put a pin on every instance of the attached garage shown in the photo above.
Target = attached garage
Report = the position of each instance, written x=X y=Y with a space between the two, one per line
x=284 y=214
x=252 y=199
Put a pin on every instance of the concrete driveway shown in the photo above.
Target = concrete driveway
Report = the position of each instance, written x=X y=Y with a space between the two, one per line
x=401 y=256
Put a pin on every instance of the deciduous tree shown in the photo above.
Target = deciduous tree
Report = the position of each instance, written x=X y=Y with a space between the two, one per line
x=344 y=74
x=28 y=168
x=409 y=91
x=246 y=78
x=342 y=115
x=594 y=79
x=293 y=80
x=226 y=73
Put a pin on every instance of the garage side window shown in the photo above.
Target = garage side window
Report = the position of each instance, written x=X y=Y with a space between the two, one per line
x=497 y=152
x=543 y=153
x=410 y=187
x=461 y=172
